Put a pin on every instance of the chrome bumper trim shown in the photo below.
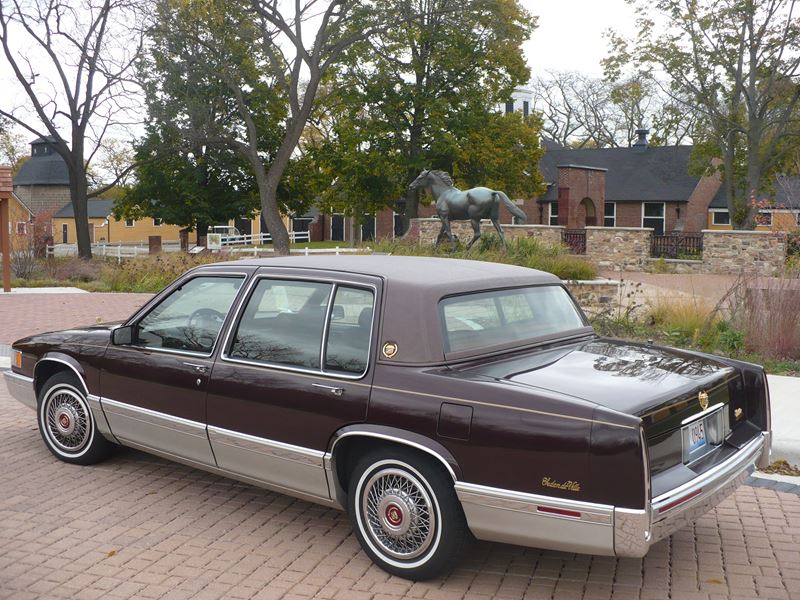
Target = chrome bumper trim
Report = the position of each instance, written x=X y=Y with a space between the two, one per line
x=512 y=517
x=21 y=388
x=636 y=530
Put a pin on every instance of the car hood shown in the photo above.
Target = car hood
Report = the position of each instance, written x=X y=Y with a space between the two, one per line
x=626 y=377
x=98 y=332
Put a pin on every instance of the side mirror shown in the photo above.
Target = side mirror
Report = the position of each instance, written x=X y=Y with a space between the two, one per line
x=122 y=336
x=337 y=314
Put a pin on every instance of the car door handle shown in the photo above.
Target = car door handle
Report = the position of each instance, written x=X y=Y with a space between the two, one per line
x=198 y=368
x=336 y=391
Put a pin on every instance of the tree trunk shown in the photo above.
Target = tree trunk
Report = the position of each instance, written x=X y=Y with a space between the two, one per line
x=267 y=193
x=78 y=196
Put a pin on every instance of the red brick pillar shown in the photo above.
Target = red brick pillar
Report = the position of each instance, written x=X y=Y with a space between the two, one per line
x=6 y=188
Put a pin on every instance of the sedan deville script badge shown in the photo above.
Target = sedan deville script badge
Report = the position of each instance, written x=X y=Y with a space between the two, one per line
x=702 y=397
x=389 y=349
x=570 y=486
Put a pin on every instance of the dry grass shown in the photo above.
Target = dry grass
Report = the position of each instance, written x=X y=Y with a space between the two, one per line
x=684 y=317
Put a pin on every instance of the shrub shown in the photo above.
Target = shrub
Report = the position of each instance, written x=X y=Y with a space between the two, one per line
x=525 y=252
x=769 y=317
x=152 y=273
x=687 y=319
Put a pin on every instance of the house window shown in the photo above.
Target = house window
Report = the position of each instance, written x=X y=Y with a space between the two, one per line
x=301 y=225
x=553 y=213
x=510 y=106
x=797 y=218
x=22 y=228
x=129 y=222
x=721 y=217
x=764 y=218
x=653 y=216
x=526 y=108
x=610 y=214
x=156 y=222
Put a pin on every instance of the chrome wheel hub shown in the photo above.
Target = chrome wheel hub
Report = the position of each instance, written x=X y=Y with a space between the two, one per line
x=67 y=420
x=398 y=513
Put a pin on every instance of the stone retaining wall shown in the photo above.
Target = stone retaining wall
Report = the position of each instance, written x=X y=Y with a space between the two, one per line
x=628 y=248
x=733 y=252
x=425 y=231
x=595 y=296
x=618 y=248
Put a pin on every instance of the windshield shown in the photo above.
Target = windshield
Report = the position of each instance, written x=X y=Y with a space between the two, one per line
x=501 y=317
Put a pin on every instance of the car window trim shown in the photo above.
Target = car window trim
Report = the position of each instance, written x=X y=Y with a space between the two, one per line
x=335 y=284
x=451 y=356
x=146 y=310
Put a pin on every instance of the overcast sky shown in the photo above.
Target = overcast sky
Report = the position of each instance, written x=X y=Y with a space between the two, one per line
x=569 y=37
x=570 y=33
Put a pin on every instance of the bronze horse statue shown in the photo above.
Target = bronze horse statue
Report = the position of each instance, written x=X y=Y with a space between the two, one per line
x=470 y=205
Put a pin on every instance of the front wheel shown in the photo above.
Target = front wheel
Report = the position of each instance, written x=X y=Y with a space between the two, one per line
x=406 y=514
x=66 y=422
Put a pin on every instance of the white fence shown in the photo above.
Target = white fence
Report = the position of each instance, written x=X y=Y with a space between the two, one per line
x=262 y=238
x=256 y=251
x=118 y=250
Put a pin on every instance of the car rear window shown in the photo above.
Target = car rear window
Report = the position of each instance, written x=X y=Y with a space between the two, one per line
x=501 y=317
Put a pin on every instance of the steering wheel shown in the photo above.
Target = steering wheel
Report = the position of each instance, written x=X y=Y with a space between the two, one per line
x=202 y=315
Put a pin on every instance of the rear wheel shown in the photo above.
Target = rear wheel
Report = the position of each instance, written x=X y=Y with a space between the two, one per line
x=66 y=422
x=406 y=514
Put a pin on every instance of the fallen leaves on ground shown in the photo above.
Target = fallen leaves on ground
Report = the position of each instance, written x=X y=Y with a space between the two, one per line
x=781 y=467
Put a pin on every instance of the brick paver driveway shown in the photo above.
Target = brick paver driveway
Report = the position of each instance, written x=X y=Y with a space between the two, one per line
x=139 y=527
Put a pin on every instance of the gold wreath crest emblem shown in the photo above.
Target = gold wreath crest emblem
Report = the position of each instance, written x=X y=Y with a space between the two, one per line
x=702 y=398
x=389 y=349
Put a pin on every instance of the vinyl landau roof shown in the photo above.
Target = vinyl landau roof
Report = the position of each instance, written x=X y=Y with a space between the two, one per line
x=412 y=288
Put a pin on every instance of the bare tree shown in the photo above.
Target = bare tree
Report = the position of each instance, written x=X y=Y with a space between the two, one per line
x=583 y=111
x=72 y=62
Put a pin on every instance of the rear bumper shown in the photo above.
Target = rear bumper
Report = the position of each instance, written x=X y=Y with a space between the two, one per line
x=21 y=388
x=636 y=530
x=545 y=522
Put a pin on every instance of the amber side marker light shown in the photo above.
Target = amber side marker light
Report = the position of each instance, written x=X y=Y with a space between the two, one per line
x=18 y=359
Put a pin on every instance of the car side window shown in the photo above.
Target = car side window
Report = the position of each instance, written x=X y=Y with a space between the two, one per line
x=283 y=323
x=190 y=318
x=347 y=348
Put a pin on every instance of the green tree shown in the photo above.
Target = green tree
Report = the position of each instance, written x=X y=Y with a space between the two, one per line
x=408 y=97
x=735 y=64
x=213 y=107
x=193 y=188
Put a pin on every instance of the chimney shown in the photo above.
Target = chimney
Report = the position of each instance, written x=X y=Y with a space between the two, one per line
x=641 y=139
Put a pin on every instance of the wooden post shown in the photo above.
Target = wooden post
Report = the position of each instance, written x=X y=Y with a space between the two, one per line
x=6 y=188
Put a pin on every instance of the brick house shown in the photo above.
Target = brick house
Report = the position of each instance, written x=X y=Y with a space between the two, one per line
x=640 y=186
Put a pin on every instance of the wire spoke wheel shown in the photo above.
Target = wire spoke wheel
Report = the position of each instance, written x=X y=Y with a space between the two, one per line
x=398 y=513
x=67 y=421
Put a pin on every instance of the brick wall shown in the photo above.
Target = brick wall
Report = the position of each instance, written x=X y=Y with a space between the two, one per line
x=579 y=187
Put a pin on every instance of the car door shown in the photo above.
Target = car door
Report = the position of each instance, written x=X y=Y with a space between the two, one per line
x=153 y=389
x=295 y=366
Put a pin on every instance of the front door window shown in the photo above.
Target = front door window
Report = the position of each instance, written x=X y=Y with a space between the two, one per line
x=191 y=317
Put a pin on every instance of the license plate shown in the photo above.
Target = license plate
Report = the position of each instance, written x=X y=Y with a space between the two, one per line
x=696 y=436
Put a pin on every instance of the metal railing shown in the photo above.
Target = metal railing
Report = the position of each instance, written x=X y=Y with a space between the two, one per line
x=676 y=245
x=575 y=240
